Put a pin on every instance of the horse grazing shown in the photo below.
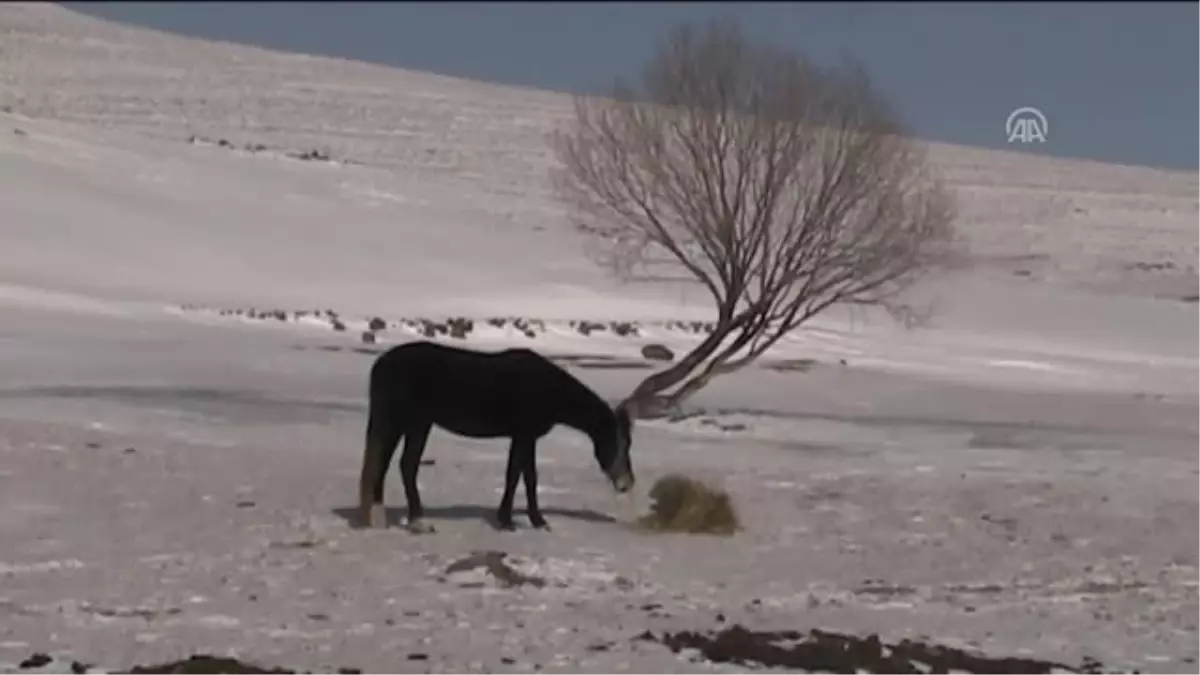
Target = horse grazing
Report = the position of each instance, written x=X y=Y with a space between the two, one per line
x=515 y=393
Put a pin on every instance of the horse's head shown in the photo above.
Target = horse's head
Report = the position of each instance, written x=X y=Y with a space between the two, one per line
x=612 y=450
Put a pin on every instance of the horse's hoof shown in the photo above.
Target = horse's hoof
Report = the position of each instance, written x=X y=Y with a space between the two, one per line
x=540 y=525
x=420 y=527
x=508 y=526
x=376 y=517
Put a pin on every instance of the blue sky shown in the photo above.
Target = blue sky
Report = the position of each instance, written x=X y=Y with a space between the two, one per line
x=1117 y=81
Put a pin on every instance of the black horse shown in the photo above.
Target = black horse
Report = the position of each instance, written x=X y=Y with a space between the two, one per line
x=515 y=393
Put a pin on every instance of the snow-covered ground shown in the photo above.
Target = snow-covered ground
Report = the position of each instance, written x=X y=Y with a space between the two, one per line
x=1020 y=476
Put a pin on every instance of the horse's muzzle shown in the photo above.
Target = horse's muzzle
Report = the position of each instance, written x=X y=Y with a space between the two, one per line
x=623 y=483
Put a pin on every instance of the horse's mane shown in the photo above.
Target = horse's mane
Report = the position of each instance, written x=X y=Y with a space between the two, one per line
x=584 y=409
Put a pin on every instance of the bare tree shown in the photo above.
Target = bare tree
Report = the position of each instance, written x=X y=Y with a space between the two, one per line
x=781 y=186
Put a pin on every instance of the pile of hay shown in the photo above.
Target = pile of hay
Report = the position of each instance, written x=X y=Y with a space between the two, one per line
x=683 y=504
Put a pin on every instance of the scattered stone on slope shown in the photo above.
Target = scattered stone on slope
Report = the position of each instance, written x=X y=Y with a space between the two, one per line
x=310 y=156
x=585 y=327
x=790 y=365
x=526 y=326
x=36 y=660
x=1143 y=266
x=840 y=653
x=624 y=328
x=460 y=327
x=657 y=352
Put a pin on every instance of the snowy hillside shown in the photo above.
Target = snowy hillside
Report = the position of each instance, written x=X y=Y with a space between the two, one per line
x=185 y=225
x=484 y=143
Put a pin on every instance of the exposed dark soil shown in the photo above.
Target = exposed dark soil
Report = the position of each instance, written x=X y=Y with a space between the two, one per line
x=838 y=653
x=816 y=651
x=493 y=563
x=203 y=663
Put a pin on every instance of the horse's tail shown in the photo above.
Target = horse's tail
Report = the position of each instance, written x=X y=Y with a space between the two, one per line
x=374 y=450
x=372 y=454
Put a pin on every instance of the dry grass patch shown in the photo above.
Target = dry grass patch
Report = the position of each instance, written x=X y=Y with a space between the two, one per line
x=688 y=505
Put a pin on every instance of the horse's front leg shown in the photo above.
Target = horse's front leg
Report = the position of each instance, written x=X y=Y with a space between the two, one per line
x=517 y=453
x=529 y=474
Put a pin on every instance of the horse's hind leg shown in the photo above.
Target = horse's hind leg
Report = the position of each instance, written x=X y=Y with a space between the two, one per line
x=382 y=437
x=410 y=463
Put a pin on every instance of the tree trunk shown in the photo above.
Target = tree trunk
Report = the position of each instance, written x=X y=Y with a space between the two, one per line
x=718 y=366
x=644 y=399
x=690 y=387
